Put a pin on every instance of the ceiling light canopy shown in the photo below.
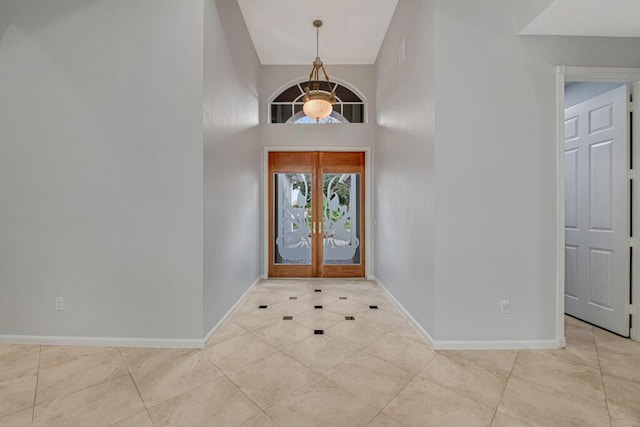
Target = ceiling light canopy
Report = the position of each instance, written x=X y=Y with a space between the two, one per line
x=318 y=104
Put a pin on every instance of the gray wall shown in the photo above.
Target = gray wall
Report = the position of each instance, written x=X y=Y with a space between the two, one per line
x=232 y=160
x=496 y=168
x=404 y=161
x=101 y=168
x=465 y=163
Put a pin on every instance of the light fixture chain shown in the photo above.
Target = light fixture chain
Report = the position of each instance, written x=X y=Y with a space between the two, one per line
x=317 y=103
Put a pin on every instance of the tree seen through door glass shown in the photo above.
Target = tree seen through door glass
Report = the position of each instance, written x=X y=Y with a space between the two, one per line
x=340 y=210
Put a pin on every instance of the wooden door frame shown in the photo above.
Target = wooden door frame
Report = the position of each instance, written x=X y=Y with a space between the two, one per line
x=595 y=74
x=368 y=205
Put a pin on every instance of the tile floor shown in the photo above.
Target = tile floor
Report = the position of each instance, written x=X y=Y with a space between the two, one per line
x=374 y=370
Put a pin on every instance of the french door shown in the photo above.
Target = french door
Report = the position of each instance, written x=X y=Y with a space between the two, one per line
x=316 y=214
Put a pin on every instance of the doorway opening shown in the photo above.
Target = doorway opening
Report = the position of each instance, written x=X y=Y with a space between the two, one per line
x=316 y=214
x=596 y=268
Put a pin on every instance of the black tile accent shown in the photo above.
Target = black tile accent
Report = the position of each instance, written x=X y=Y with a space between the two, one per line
x=262 y=306
x=287 y=318
x=343 y=297
x=373 y=307
x=318 y=331
x=317 y=290
x=293 y=297
x=349 y=318
x=317 y=306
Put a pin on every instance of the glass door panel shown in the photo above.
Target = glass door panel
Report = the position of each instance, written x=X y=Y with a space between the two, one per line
x=341 y=222
x=292 y=236
x=341 y=195
x=292 y=219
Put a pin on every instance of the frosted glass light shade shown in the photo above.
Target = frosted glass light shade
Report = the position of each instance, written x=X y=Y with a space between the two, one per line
x=317 y=105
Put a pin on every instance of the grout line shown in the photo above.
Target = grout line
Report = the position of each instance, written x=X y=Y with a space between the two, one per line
x=261 y=412
x=202 y=355
x=317 y=375
x=420 y=339
x=478 y=366
x=393 y=398
x=239 y=389
x=35 y=392
x=136 y=386
x=515 y=360
x=364 y=351
x=253 y=361
x=359 y=398
x=103 y=381
x=446 y=387
x=552 y=389
x=414 y=376
x=604 y=390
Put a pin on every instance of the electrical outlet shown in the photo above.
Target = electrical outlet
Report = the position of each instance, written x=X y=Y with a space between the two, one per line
x=59 y=304
x=505 y=306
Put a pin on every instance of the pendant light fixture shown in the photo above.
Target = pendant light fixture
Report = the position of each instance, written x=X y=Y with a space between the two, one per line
x=318 y=104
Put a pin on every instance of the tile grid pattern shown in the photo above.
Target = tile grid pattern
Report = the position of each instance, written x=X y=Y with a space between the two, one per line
x=374 y=370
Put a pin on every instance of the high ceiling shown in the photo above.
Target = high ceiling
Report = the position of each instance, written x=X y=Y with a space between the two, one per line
x=283 y=34
x=353 y=30
x=606 y=18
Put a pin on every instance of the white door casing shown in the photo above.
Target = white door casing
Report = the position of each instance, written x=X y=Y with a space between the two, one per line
x=597 y=210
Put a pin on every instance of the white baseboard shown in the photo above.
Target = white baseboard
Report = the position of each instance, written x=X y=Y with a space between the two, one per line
x=496 y=345
x=222 y=321
x=475 y=344
x=409 y=317
x=102 y=341
x=124 y=342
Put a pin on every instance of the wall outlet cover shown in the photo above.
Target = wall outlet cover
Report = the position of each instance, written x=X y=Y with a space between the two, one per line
x=505 y=306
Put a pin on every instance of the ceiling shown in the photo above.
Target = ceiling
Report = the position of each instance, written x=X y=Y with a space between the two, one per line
x=353 y=30
x=283 y=34
x=606 y=18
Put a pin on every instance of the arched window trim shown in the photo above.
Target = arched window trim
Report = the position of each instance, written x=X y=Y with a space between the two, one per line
x=302 y=81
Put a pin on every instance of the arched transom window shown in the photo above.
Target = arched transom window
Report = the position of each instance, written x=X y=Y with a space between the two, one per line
x=286 y=106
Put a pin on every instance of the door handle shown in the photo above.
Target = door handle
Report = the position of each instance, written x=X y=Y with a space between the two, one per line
x=320 y=227
x=313 y=228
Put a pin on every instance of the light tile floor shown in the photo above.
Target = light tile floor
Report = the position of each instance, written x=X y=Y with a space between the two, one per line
x=375 y=370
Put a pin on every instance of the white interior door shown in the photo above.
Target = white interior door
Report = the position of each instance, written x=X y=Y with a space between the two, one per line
x=597 y=211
